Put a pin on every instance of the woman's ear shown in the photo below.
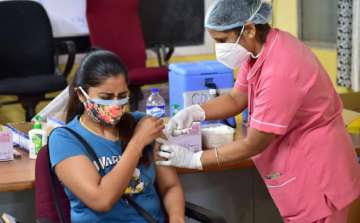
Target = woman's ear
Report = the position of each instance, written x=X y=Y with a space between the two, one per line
x=250 y=30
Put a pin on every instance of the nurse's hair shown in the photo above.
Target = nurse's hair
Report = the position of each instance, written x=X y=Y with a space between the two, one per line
x=95 y=68
x=262 y=30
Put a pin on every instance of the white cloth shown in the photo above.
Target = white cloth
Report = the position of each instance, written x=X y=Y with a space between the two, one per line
x=57 y=107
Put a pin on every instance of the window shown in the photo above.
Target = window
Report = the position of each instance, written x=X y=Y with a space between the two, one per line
x=318 y=22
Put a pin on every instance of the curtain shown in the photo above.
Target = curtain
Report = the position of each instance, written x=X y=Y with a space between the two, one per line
x=348 y=44
x=344 y=43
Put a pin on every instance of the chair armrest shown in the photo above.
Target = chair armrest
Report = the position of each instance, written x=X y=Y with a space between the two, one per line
x=69 y=48
x=163 y=54
x=202 y=214
x=168 y=54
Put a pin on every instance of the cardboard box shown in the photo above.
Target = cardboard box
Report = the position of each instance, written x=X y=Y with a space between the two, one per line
x=351 y=112
x=6 y=148
x=20 y=134
x=351 y=101
x=190 y=140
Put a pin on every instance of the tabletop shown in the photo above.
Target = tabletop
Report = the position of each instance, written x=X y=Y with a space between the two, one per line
x=19 y=174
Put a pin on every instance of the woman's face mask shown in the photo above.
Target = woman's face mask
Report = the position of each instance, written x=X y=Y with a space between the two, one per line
x=105 y=112
x=231 y=55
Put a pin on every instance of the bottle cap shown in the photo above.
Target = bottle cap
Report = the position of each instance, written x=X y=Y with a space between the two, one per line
x=154 y=90
x=37 y=124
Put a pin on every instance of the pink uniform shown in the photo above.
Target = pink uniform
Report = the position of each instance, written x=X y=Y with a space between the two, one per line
x=310 y=169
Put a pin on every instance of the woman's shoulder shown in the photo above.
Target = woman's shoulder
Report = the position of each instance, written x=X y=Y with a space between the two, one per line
x=63 y=144
x=62 y=132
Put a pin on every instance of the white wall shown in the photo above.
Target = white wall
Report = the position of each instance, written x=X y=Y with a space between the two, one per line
x=68 y=18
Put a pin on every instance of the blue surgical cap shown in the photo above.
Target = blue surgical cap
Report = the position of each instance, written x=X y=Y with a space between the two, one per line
x=229 y=14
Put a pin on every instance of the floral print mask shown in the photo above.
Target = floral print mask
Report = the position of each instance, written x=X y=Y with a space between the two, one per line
x=105 y=112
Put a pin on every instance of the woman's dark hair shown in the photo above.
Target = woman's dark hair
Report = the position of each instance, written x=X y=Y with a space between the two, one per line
x=262 y=30
x=95 y=68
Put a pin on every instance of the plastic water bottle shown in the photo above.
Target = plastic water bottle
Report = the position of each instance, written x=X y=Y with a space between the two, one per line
x=155 y=104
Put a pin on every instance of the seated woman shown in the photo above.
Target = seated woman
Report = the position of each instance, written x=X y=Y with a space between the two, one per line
x=122 y=142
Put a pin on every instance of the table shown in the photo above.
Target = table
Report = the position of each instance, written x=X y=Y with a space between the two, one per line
x=19 y=174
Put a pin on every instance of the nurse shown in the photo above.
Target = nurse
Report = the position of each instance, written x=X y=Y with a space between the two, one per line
x=296 y=134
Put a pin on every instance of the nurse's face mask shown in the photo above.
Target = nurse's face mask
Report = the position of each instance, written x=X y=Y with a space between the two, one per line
x=231 y=55
x=105 y=112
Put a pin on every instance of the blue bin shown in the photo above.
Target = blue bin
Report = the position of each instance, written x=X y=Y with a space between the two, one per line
x=189 y=83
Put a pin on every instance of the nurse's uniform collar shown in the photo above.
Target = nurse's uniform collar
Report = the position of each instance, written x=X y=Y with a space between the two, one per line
x=258 y=55
x=265 y=51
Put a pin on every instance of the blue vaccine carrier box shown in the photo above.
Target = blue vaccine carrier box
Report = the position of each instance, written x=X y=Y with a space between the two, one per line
x=189 y=83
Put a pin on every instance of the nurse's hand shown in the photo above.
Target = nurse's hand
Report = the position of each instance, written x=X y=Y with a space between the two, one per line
x=178 y=156
x=184 y=118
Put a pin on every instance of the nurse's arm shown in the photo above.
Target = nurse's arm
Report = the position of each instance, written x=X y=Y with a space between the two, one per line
x=254 y=143
x=170 y=190
x=226 y=105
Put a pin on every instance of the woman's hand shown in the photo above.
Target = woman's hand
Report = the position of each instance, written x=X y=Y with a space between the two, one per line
x=147 y=130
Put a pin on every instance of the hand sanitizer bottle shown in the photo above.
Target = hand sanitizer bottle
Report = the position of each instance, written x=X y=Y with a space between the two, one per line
x=37 y=138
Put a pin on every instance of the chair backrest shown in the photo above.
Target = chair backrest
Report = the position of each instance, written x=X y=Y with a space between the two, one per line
x=26 y=39
x=44 y=200
x=115 y=25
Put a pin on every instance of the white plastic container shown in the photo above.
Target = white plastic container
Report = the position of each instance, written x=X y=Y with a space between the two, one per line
x=216 y=135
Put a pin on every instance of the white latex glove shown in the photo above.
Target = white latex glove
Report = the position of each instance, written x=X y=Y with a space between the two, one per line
x=184 y=118
x=178 y=156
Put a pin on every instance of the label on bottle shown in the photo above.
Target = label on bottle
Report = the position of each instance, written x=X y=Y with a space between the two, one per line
x=36 y=143
x=37 y=140
x=156 y=111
